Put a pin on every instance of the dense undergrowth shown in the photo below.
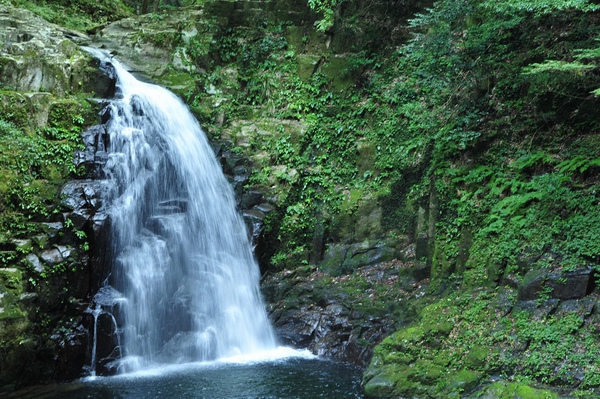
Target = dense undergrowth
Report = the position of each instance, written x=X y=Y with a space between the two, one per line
x=76 y=14
x=34 y=163
x=510 y=154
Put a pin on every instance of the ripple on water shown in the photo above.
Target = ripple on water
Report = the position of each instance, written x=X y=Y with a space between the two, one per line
x=301 y=377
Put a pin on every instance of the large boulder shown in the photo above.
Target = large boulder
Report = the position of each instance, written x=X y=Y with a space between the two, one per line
x=559 y=284
x=36 y=55
x=151 y=44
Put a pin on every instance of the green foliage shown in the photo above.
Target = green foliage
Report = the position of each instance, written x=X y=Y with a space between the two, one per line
x=465 y=330
x=539 y=6
x=558 y=66
x=32 y=166
x=326 y=9
x=450 y=108
x=76 y=14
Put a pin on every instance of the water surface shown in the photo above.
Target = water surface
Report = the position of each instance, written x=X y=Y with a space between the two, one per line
x=297 y=378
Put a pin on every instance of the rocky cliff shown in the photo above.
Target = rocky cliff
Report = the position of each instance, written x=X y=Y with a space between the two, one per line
x=46 y=243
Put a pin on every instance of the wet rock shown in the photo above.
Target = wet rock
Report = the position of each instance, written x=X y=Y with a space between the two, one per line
x=35 y=263
x=254 y=222
x=331 y=331
x=505 y=300
x=72 y=352
x=53 y=229
x=107 y=350
x=525 y=306
x=83 y=194
x=84 y=198
x=296 y=327
x=251 y=198
x=94 y=157
x=344 y=258
x=265 y=207
x=52 y=257
x=545 y=309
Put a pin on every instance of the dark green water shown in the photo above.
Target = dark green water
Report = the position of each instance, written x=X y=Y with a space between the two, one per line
x=295 y=378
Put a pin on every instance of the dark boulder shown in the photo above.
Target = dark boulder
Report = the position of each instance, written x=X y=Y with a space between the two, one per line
x=561 y=284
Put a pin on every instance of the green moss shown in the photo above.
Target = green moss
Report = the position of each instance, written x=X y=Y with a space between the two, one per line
x=71 y=114
x=76 y=14
x=477 y=357
x=463 y=381
x=337 y=70
x=12 y=279
x=177 y=81
x=11 y=312
x=307 y=65
x=384 y=383
x=408 y=335
x=517 y=390
x=16 y=108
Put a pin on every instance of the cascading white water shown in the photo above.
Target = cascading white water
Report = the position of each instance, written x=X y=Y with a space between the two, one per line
x=184 y=264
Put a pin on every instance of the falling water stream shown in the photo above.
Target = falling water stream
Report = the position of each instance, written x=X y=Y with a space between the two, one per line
x=184 y=274
x=183 y=295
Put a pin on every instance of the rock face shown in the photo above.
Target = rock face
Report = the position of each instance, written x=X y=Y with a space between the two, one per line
x=38 y=56
x=560 y=284
x=46 y=273
x=144 y=43
x=343 y=317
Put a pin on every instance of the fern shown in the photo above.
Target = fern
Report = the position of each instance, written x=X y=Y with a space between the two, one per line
x=556 y=66
x=511 y=205
x=535 y=159
x=579 y=164
x=539 y=6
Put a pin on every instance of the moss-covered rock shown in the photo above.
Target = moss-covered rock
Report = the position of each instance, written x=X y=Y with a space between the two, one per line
x=384 y=383
x=517 y=390
x=38 y=56
x=150 y=43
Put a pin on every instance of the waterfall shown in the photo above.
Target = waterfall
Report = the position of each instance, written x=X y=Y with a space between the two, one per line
x=183 y=265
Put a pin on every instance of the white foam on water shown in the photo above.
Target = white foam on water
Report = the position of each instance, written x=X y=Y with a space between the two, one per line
x=279 y=354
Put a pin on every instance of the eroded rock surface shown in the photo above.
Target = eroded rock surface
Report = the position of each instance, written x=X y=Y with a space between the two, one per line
x=38 y=56
x=343 y=317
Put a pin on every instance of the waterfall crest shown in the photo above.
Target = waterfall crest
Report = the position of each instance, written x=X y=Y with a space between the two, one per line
x=183 y=261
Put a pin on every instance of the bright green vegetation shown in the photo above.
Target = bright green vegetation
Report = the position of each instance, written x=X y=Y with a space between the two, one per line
x=507 y=153
x=35 y=162
x=469 y=334
x=75 y=14
x=39 y=134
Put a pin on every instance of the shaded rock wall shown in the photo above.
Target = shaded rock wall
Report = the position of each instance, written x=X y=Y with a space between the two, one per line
x=47 y=265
